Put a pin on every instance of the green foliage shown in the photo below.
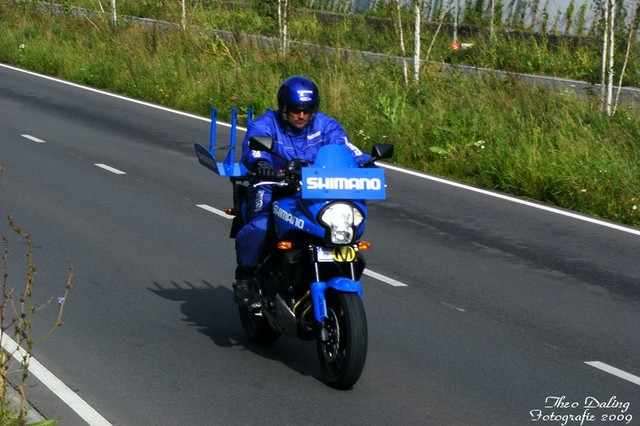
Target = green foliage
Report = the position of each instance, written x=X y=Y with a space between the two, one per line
x=374 y=30
x=569 y=18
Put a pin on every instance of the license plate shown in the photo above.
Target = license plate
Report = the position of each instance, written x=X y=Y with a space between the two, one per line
x=336 y=254
x=324 y=254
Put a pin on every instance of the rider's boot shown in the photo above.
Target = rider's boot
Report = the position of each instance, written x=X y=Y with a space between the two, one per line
x=243 y=285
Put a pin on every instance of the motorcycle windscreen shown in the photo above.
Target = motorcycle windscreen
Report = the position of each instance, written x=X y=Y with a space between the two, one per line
x=343 y=183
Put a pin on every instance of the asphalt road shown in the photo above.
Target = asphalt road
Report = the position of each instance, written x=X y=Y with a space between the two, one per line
x=502 y=307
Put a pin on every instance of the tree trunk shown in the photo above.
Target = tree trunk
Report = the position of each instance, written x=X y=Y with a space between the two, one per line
x=416 y=50
x=282 y=25
x=114 y=14
x=630 y=40
x=611 y=46
x=400 y=32
x=184 y=16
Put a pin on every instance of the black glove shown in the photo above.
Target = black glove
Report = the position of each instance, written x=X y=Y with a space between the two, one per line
x=264 y=170
x=294 y=168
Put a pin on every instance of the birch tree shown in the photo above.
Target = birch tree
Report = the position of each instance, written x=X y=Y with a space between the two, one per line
x=283 y=6
x=608 y=44
x=417 y=8
x=631 y=37
x=184 y=16
x=114 y=14
x=400 y=33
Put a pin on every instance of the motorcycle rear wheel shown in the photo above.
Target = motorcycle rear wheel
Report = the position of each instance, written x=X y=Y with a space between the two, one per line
x=342 y=356
x=256 y=326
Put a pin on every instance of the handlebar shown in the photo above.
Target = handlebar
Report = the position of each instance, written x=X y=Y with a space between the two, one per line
x=289 y=175
x=281 y=183
x=281 y=179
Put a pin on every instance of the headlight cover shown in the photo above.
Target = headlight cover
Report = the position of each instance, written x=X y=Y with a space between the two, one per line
x=342 y=221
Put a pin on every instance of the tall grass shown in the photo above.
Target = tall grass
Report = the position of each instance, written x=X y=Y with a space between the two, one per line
x=500 y=134
x=525 y=42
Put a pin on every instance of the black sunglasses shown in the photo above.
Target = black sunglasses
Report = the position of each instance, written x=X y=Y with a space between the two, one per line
x=298 y=110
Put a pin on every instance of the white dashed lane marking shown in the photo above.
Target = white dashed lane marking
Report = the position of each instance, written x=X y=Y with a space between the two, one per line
x=32 y=138
x=111 y=169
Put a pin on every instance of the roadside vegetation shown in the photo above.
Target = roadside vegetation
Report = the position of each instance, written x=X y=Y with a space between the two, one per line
x=555 y=147
x=525 y=37
x=18 y=311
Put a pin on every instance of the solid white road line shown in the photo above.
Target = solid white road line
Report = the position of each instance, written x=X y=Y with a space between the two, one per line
x=111 y=169
x=69 y=397
x=515 y=200
x=615 y=371
x=32 y=138
x=113 y=95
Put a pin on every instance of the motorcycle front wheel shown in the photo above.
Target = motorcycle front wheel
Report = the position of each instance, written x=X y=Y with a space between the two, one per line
x=256 y=326
x=342 y=355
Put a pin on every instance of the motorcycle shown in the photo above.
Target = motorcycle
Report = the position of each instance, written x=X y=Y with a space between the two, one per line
x=308 y=285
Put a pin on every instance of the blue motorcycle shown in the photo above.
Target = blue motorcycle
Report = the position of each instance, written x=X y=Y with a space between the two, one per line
x=309 y=282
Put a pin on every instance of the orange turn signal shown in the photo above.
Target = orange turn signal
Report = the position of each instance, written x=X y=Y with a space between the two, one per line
x=285 y=245
x=364 y=245
x=230 y=211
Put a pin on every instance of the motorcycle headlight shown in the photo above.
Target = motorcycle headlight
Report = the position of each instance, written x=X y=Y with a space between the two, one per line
x=342 y=221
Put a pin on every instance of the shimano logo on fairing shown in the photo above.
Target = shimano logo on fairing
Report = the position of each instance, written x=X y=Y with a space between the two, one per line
x=355 y=183
x=287 y=217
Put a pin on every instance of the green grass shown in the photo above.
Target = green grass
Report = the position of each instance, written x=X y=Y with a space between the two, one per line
x=499 y=134
x=572 y=52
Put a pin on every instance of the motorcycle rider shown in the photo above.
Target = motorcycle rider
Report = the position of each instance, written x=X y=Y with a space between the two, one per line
x=298 y=131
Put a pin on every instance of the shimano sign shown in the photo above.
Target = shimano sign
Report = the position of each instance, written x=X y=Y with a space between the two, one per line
x=343 y=183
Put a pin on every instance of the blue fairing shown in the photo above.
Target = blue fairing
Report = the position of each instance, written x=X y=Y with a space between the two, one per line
x=295 y=214
x=300 y=211
x=318 y=289
x=334 y=156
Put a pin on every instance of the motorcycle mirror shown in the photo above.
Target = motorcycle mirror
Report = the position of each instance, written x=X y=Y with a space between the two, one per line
x=382 y=150
x=261 y=143
x=379 y=151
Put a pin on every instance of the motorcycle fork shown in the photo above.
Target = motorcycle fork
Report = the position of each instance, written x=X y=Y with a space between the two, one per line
x=318 y=298
x=316 y=269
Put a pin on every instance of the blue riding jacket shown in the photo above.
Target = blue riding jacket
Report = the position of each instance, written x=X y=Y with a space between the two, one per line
x=292 y=143
x=289 y=144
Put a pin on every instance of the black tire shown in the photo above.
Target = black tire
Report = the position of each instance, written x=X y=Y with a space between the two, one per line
x=256 y=326
x=343 y=355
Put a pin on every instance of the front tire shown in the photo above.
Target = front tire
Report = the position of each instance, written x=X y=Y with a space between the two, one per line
x=256 y=326
x=342 y=355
